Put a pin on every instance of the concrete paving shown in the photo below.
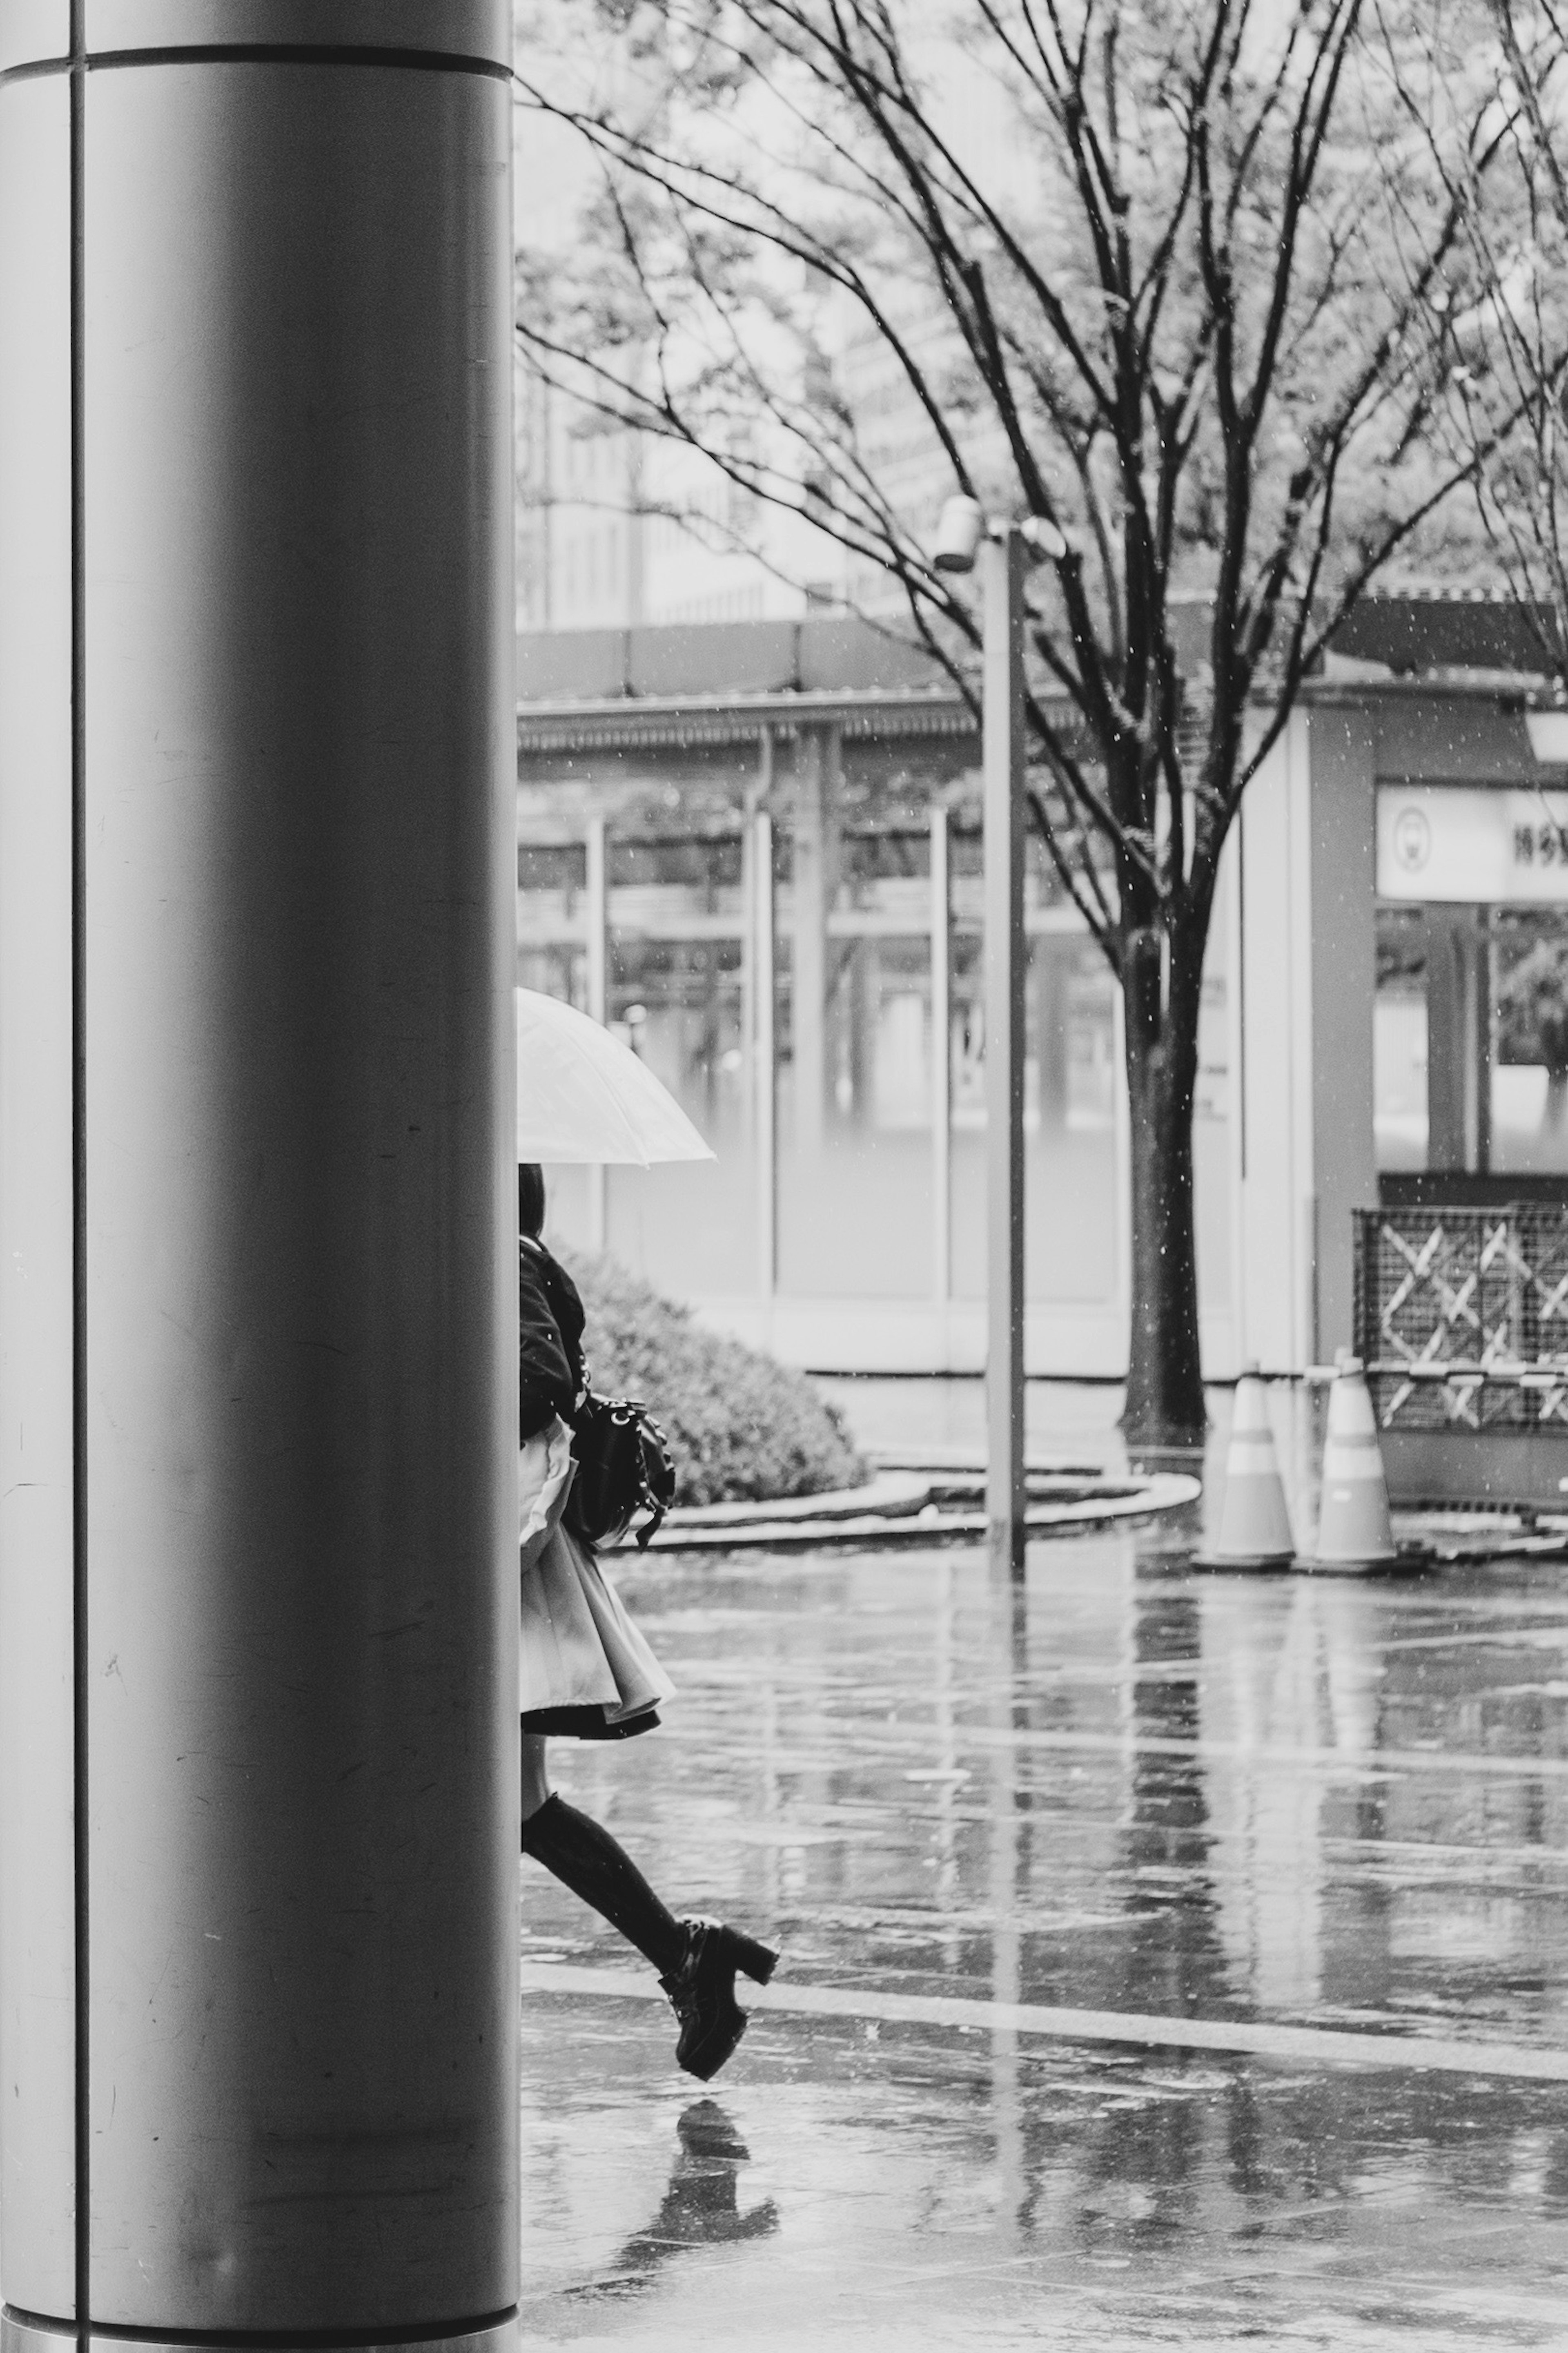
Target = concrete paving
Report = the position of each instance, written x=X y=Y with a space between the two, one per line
x=1258 y=1822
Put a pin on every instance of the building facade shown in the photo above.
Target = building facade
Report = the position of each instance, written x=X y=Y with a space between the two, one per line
x=756 y=850
x=757 y=853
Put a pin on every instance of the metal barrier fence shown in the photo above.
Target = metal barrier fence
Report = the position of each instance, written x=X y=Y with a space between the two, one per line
x=1461 y=1316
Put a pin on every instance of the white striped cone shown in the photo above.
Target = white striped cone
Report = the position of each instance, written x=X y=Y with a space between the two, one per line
x=1354 y=1531
x=1254 y=1523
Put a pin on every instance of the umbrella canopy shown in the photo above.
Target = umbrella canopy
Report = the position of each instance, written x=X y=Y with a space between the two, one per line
x=581 y=1095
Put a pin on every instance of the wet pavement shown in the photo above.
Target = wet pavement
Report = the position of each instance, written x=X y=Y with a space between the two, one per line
x=1281 y=1810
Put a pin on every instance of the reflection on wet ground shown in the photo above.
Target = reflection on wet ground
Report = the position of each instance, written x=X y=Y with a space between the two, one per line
x=1120 y=1788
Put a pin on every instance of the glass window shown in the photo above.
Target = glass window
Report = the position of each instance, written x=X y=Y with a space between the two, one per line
x=677 y=997
x=1071 y=1082
x=1470 y=1040
x=555 y=968
x=1529 y=1028
x=552 y=878
x=688 y=881
x=1399 y=1039
x=854 y=1065
x=854 y=1123
x=854 y=1073
x=552 y=957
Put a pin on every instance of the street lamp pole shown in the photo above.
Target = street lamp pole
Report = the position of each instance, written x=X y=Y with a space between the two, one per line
x=1004 y=549
x=1002 y=568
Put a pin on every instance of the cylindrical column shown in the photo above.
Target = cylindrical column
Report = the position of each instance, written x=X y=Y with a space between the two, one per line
x=1001 y=565
x=761 y=1045
x=940 y=1063
x=257 y=1206
x=596 y=907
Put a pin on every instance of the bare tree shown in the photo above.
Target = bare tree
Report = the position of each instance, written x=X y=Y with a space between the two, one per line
x=1502 y=311
x=1162 y=271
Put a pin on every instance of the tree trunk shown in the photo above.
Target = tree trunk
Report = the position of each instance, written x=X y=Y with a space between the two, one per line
x=1165 y=1404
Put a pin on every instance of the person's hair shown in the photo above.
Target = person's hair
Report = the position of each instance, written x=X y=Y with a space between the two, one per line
x=530 y=1196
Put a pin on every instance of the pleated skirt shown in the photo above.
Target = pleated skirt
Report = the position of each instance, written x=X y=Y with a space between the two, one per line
x=585 y=1671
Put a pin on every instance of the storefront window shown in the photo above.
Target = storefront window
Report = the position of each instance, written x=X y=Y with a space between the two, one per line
x=1471 y=1022
x=1070 y=1080
x=1434 y=1040
x=854 y=1068
x=1399 y=1039
x=1530 y=1063
x=552 y=878
x=676 y=996
x=552 y=957
x=858 y=1120
x=1470 y=1040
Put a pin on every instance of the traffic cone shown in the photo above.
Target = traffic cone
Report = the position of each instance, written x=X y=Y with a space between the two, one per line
x=1355 y=1530
x=1254 y=1524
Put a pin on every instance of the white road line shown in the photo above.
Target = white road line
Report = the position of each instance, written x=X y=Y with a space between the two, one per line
x=1324 y=1761
x=1552 y=1630
x=1312 y=2045
x=869 y=1743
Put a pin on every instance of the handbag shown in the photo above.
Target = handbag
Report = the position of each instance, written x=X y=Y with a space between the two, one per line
x=623 y=1467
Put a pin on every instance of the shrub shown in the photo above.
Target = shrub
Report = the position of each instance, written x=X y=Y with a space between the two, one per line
x=741 y=1426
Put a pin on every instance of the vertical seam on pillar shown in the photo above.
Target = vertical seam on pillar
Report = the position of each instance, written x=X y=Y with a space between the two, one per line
x=77 y=86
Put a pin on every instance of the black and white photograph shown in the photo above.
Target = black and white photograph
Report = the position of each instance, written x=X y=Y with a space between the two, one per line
x=784 y=1175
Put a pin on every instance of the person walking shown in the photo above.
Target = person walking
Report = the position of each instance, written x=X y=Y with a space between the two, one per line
x=587 y=1673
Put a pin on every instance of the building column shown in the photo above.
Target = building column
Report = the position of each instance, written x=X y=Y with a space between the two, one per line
x=760 y=1048
x=596 y=913
x=257 y=1201
x=755 y=797
x=940 y=1062
x=1332 y=925
x=1458 y=1042
x=1050 y=978
x=814 y=868
x=759 y=1006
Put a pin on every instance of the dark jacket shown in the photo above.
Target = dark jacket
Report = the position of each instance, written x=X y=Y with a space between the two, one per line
x=550 y=1349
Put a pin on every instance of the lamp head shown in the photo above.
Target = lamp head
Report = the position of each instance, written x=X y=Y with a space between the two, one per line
x=1042 y=538
x=1548 y=732
x=959 y=533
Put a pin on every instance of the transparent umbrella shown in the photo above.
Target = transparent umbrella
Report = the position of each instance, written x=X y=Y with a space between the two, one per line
x=581 y=1095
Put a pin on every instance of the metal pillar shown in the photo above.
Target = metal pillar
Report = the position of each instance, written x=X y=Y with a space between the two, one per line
x=257 y=1201
x=760 y=1047
x=941 y=1065
x=1003 y=571
x=1458 y=1041
x=596 y=906
x=813 y=865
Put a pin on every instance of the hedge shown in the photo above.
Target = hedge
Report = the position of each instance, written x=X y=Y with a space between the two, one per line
x=741 y=1426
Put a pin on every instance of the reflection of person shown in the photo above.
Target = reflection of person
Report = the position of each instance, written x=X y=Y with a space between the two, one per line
x=589 y=1674
x=702 y=2206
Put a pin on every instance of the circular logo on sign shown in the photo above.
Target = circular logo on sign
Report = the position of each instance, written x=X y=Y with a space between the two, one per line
x=1412 y=841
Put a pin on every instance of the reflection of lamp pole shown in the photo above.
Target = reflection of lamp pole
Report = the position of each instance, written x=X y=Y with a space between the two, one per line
x=1004 y=550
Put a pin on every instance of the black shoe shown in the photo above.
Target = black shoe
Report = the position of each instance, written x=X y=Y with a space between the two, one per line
x=702 y=1993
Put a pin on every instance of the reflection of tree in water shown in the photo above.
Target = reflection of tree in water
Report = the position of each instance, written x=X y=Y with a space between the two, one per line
x=701 y=2208
x=1171 y=1962
x=1175 y=1961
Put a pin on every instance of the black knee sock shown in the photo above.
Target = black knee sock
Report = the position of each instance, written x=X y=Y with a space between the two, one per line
x=584 y=1857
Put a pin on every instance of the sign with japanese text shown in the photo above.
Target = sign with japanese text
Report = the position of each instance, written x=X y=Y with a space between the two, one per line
x=1473 y=845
